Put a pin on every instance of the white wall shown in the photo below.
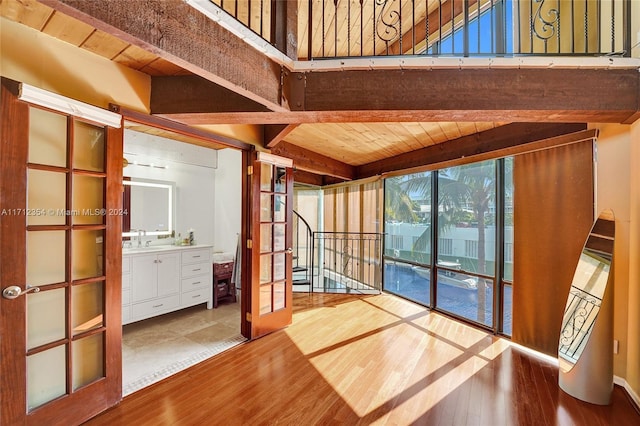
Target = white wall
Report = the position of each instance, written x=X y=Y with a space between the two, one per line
x=228 y=200
x=195 y=184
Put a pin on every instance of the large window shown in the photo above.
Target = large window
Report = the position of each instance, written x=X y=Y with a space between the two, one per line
x=507 y=282
x=408 y=218
x=457 y=209
x=466 y=215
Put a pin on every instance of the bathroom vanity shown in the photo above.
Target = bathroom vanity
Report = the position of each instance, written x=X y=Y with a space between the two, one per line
x=161 y=279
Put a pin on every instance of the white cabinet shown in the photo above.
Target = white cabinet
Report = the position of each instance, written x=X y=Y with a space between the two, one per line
x=197 y=278
x=126 y=289
x=154 y=275
x=161 y=281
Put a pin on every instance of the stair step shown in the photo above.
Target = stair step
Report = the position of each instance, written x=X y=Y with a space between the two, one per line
x=301 y=282
x=299 y=269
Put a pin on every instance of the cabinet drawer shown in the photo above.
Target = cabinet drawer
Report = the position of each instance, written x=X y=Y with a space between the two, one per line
x=155 y=307
x=222 y=269
x=126 y=281
x=196 y=269
x=196 y=256
x=201 y=281
x=195 y=297
x=126 y=297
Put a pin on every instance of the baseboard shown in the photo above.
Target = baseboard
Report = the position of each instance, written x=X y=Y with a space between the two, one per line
x=632 y=395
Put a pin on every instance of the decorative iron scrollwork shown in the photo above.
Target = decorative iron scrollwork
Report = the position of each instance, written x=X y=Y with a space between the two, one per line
x=388 y=22
x=545 y=28
x=579 y=318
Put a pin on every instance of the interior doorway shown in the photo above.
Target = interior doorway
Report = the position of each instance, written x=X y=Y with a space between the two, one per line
x=183 y=198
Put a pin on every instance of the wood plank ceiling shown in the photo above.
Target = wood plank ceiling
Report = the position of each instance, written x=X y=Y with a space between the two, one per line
x=354 y=144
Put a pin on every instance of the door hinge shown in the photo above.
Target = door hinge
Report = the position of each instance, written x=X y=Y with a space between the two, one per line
x=249 y=170
x=249 y=244
x=248 y=316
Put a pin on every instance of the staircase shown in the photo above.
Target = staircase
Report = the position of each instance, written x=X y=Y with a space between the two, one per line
x=302 y=252
x=335 y=262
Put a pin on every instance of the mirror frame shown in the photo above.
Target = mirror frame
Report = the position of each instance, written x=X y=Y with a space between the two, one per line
x=171 y=200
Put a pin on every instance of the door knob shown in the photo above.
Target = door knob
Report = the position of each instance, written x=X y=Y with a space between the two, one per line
x=14 y=291
x=289 y=250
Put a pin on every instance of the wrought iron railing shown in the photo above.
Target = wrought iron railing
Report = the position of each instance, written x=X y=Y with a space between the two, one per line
x=579 y=318
x=340 y=28
x=254 y=14
x=364 y=28
x=349 y=262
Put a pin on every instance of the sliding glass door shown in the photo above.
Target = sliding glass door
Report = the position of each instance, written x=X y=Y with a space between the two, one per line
x=467 y=241
x=449 y=227
x=407 y=256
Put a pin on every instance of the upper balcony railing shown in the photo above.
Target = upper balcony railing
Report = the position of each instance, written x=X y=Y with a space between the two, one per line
x=461 y=28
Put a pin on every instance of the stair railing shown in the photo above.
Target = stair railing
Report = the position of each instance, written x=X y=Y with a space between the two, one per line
x=302 y=252
x=347 y=262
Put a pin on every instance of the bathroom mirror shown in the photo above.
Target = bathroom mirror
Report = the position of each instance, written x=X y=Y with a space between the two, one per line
x=150 y=205
x=587 y=290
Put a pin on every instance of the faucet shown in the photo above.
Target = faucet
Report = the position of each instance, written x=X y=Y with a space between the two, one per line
x=141 y=232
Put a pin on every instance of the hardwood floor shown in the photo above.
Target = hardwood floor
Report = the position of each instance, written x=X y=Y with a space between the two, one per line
x=367 y=360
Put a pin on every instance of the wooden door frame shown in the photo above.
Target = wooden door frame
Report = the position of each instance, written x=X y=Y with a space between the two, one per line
x=277 y=319
x=246 y=205
x=105 y=392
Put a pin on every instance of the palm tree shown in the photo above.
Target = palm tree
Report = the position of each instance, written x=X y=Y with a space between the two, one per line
x=476 y=188
x=462 y=190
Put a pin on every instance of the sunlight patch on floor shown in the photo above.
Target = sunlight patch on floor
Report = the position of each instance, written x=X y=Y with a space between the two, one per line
x=495 y=349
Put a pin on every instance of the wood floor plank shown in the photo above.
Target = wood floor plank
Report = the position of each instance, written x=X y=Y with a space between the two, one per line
x=361 y=360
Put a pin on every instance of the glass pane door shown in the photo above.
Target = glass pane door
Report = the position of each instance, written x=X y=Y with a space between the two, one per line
x=65 y=256
x=271 y=291
x=59 y=311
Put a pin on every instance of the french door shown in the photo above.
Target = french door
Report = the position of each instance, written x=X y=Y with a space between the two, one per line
x=272 y=238
x=60 y=318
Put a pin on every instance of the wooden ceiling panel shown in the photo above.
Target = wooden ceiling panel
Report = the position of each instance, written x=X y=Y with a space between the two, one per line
x=104 y=45
x=362 y=143
x=68 y=29
x=161 y=67
x=135 y=57
x=26 y=12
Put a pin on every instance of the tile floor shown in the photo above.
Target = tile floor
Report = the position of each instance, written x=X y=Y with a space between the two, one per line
x=156 y=348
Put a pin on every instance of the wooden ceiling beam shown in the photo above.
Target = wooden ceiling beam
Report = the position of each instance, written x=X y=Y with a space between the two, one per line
x=209 y=139
x=300 y=176
x=192 y=93
x=275 y=133
x=498 y=95
x=563 y=90
x=404 y=116
x=185 y=37
x=498 y=142
x=309 y=161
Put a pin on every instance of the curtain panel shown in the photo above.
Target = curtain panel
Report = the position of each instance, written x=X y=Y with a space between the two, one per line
x=553 y=214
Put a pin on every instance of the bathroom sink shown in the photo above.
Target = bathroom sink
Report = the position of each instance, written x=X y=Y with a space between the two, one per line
x=145 y=249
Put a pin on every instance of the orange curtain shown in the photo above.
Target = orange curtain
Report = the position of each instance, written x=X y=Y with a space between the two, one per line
x=553 y=214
